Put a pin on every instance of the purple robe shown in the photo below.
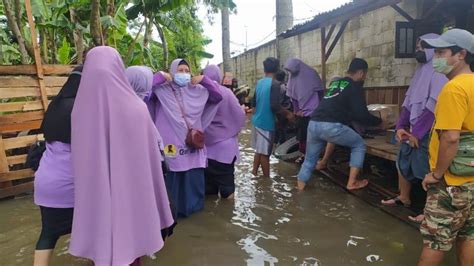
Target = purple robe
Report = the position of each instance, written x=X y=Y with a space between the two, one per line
x=222 y=134
x=304 y=86
x=420 y=99
x=200 y=106
x=121 y=203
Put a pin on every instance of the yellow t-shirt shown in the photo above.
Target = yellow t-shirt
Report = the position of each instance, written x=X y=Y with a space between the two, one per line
x=454 y=111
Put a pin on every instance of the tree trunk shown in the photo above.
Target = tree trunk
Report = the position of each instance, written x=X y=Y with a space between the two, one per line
x=78 y=38
x=164 y=45
x=95 y=27
x=132 y=45
x=18 y=12
x=226 y=39
x=15 y=28
x=43 y=42
x=148 y=31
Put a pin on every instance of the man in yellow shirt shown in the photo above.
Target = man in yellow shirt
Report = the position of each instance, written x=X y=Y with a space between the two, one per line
x=449 y=210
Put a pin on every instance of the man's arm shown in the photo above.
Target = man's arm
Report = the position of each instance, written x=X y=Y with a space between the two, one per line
x=448 y=147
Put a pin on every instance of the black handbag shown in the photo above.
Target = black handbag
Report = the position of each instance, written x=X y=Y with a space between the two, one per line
x=35 y=153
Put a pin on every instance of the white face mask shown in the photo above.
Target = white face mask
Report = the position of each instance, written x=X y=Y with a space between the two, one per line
x=182 y=79
x=441 y=65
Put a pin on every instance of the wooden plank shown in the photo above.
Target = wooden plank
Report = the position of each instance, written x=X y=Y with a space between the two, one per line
x=27 y=81
x=36 y=50
x=16 y=175
x=3 y=163
x=21 y=106
x=30 y=125
x=378 y=147
x=31 y=70
x=20 y=142
x=323 y=56
x=16 y=190
x=17 y=159
x=21 y=117
x=19 y=92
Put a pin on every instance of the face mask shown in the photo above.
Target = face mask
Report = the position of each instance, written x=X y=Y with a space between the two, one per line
x=420 y=56
x=441 y=65
x=182 y=79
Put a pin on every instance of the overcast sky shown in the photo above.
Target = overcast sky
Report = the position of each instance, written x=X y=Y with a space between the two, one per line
x=258 y=17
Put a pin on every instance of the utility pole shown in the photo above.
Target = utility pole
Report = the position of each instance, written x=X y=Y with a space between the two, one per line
x=284 y=20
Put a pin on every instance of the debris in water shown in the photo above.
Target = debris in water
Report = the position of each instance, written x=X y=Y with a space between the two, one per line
x=373 y=258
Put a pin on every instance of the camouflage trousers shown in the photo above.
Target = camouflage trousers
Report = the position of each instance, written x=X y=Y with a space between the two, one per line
x=449 y=215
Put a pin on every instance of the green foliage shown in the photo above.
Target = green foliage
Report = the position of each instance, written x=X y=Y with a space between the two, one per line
x=64 y=52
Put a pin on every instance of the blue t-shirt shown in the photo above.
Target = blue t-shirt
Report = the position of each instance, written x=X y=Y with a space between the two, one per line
x=263 y=117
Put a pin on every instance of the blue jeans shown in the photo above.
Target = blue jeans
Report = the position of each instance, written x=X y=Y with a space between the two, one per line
x=320 y=133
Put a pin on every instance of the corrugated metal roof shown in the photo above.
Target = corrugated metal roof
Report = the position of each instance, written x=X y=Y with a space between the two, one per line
x=339 y=12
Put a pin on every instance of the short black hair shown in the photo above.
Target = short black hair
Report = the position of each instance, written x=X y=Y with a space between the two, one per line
x=271 y=65
x=469 y=59
x=358 y=64
x=280 y=75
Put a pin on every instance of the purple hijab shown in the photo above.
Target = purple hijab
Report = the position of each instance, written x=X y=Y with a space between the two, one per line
x=121 y=203
x=140 y=78
x=199 y=112
x=304 y=82
x=425 y=86
x=230 y=117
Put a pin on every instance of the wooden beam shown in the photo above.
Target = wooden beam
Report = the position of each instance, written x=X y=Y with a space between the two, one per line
x=336 y=39
x=16 y=175
x=331 y=30
x=38 y=62
x=403 y=13
x=323 y=56
x=433 y=9
x=20 y=142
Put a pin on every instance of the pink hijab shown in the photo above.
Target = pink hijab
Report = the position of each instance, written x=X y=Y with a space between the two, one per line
x=121 y=203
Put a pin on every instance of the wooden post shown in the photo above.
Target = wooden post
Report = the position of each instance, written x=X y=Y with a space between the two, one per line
x=323 y=55
x=4 y=164
x=38 y=62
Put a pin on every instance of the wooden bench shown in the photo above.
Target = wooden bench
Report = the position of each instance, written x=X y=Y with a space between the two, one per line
x=380 y=148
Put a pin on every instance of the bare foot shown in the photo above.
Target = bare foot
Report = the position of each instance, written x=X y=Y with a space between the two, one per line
x=254 y=172
x=321 y=165
x=300 y=185
x=417 y=219
x=359 y=184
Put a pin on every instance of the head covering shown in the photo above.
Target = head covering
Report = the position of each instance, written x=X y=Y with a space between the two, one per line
x=425 y=85
x=453 y=37
x=168 y=117
x=141 y=78
x=175 y=64
x=304 y=82
x=121 y=203
x=56 y=124
x=230 y=117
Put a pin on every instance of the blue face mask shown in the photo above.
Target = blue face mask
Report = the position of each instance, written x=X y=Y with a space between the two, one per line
x=182 y=79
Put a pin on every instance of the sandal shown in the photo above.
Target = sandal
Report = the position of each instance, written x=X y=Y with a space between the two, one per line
x=395 y=202
x=417 y=219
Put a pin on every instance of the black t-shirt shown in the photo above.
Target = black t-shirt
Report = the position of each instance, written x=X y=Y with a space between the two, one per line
x=344 y=102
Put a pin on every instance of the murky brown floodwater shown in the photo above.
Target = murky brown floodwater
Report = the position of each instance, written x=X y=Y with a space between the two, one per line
x=268 y=224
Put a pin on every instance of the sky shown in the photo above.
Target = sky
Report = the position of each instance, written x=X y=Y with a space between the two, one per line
x=254 y=23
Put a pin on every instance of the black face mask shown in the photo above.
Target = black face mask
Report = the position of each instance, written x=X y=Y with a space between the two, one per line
x=420 y=56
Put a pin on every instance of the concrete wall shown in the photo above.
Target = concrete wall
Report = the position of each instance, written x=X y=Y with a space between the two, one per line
x=370 y=36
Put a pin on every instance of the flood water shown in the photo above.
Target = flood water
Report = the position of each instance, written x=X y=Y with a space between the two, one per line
x=269 y=223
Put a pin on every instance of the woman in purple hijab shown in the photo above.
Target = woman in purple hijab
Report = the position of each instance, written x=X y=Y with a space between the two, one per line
x=413 y=129
x=179 y=104
x=305 y=90
x=140 y=78
x=222 y=139
x=121 y=203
